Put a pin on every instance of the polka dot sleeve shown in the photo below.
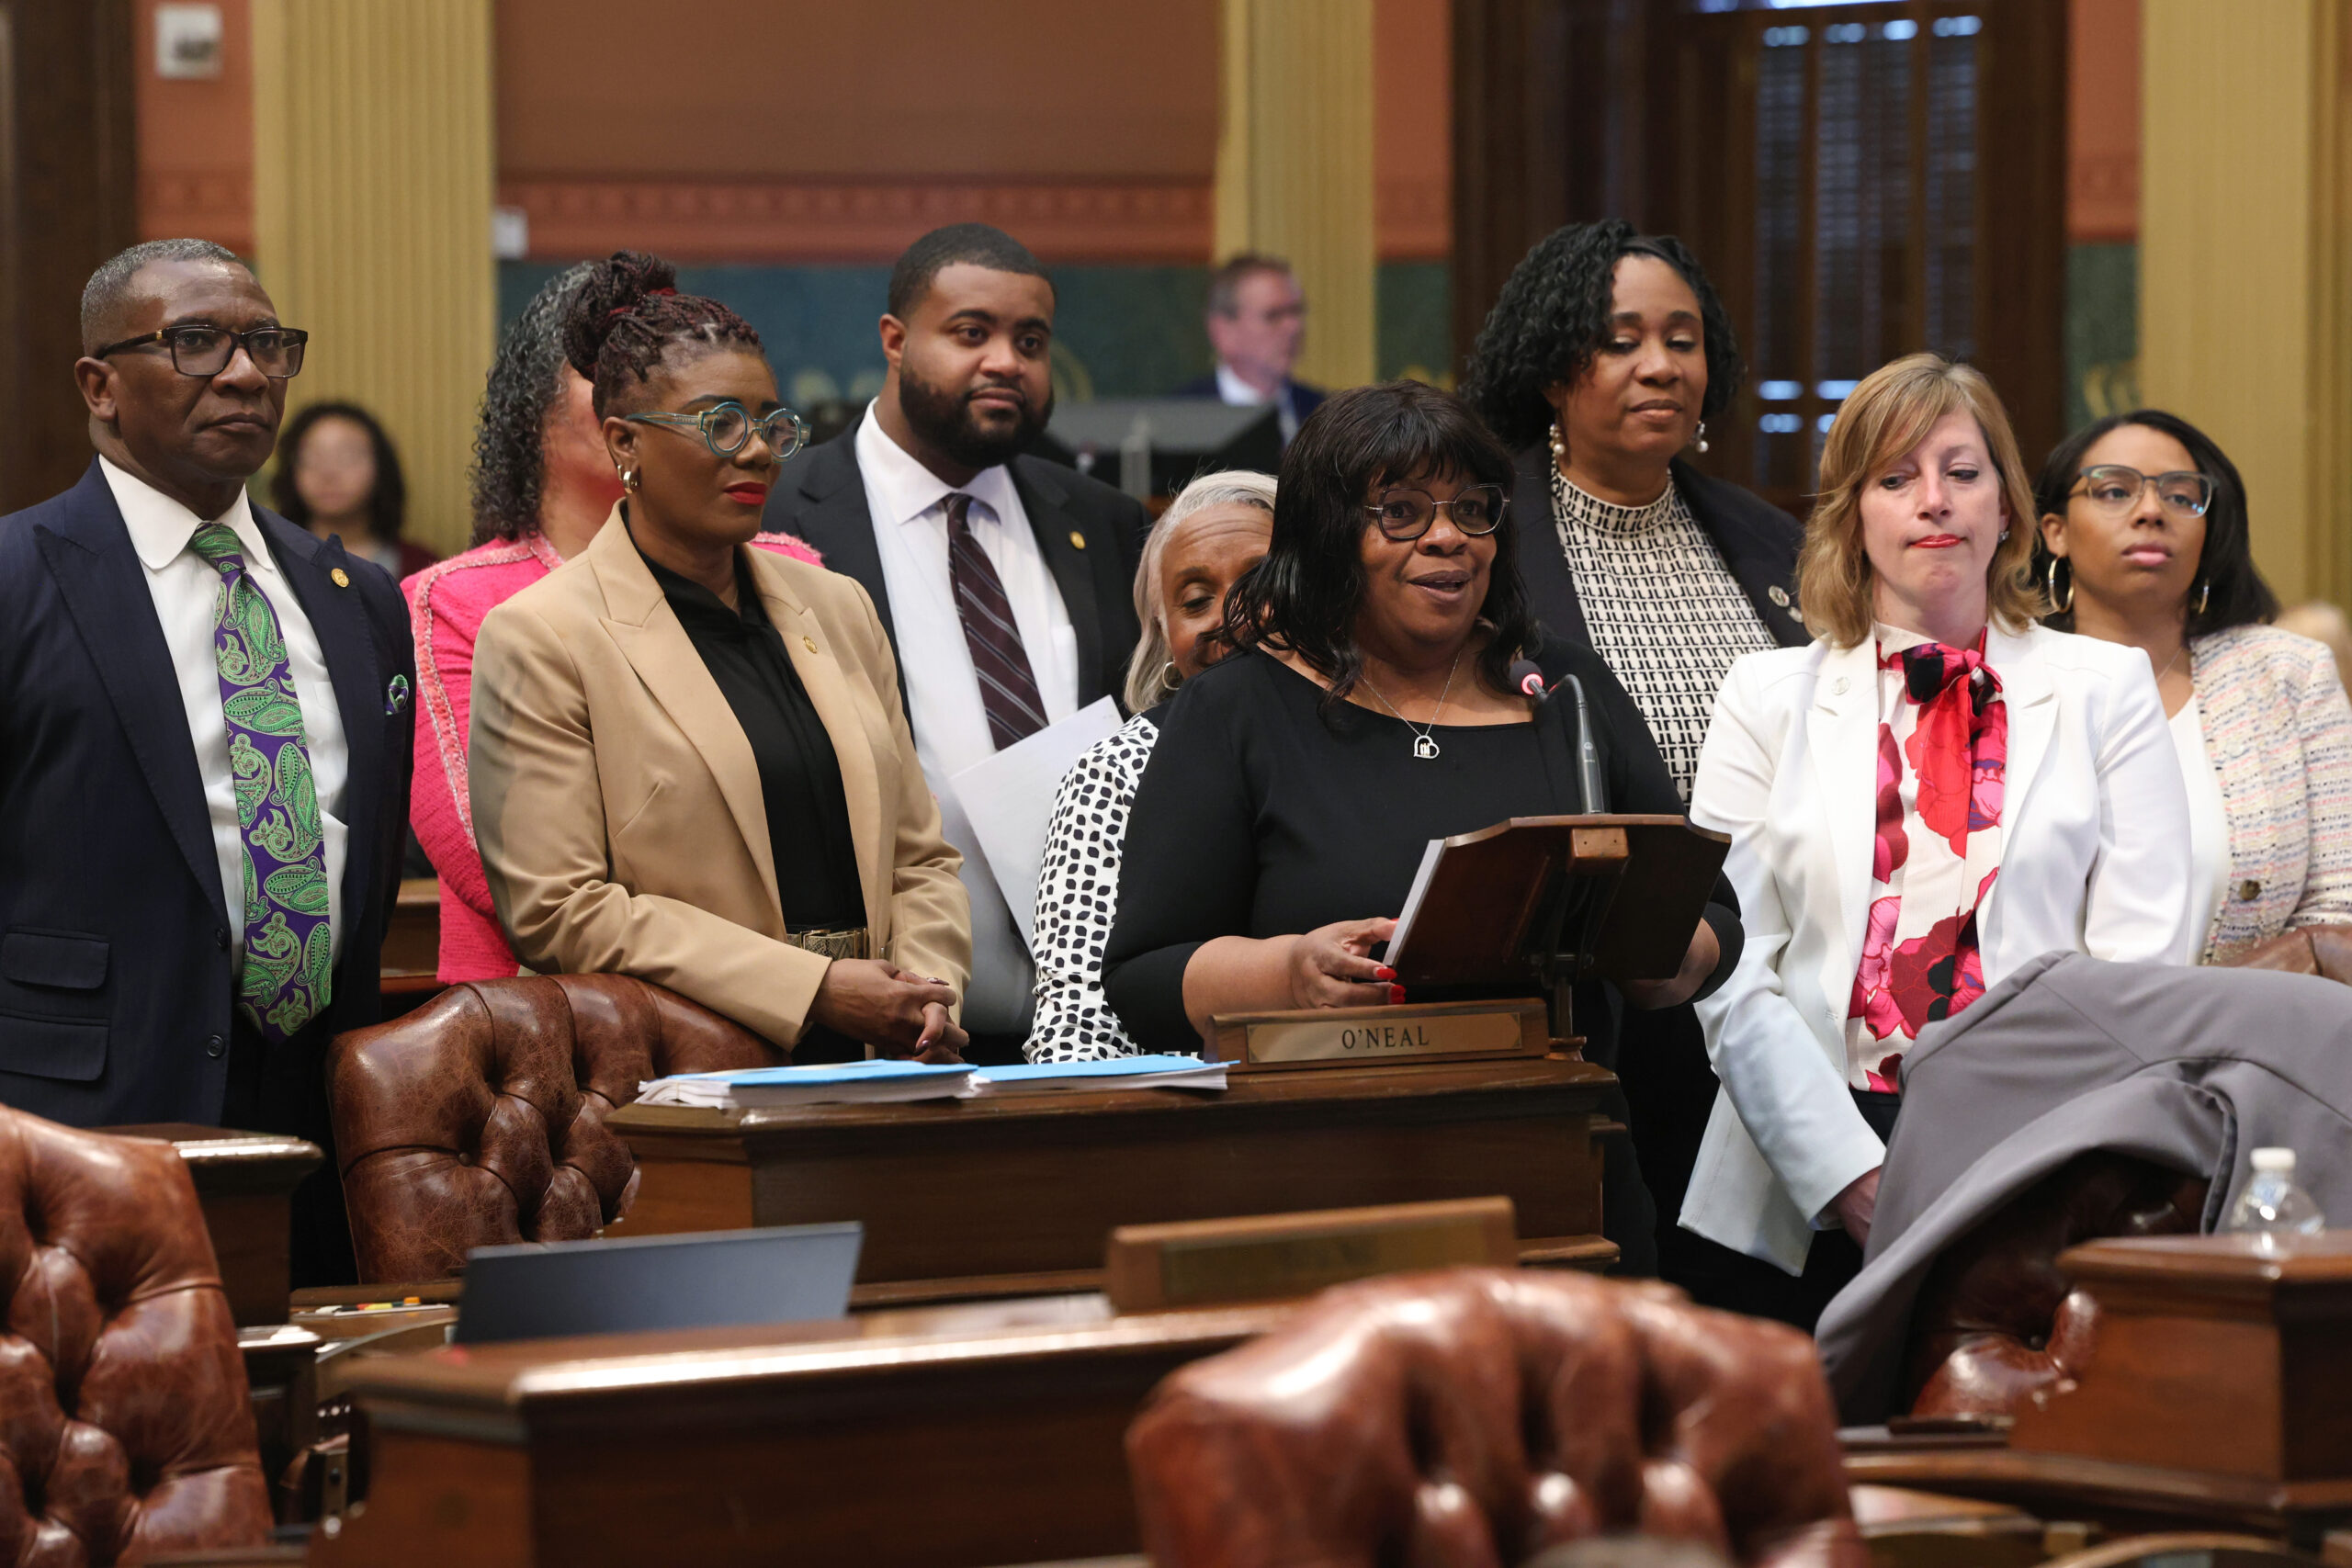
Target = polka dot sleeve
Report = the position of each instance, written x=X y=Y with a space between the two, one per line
x=1077 y=896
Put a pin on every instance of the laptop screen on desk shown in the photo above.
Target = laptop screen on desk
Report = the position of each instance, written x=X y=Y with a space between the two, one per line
x=701 y=1279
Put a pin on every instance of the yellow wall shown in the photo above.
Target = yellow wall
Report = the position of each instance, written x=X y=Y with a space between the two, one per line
x=2246 y=263
x=373 y=180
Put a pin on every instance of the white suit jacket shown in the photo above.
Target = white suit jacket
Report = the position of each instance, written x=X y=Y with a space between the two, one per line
x=2094 y=859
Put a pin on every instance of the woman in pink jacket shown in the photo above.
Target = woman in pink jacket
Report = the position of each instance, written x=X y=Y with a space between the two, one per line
x=543 y=486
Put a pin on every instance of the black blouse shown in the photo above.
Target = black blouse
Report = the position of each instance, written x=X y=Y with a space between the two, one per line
x=800 y=778
x=1259 y=817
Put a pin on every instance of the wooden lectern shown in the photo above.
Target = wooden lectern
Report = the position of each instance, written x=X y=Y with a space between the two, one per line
x=1521 y=913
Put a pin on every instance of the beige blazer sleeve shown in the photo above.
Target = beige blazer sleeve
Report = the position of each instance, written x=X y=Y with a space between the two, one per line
x=539 y=815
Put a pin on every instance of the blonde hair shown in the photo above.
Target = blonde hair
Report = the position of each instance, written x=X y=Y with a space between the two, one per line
x=1889 y=413
x=1147 y=670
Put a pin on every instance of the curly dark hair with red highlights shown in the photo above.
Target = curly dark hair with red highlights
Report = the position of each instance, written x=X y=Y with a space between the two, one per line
x=1554 y=315
x=627 y=315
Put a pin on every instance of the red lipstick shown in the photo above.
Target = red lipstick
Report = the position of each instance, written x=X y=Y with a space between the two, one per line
x=749 y=494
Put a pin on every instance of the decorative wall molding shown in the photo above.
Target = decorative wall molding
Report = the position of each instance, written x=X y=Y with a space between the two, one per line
x=211 y=204
x=1413 y=220
x=775 y=221
x=2103 y=196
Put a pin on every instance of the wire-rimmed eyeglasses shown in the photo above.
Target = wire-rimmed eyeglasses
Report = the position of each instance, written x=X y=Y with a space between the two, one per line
x=1405 y=515
x=2115 y=489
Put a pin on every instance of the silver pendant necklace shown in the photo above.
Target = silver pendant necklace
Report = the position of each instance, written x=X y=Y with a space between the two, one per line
x=1424 y=743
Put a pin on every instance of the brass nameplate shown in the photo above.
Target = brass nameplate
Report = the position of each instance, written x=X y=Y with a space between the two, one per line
x=1355 y=1037
x=1207 y=1262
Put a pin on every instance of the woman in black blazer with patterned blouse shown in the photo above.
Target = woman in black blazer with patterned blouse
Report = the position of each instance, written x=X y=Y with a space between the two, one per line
x=1600 y=364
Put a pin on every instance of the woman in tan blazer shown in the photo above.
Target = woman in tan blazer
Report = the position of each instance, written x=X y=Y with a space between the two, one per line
x=690 y=762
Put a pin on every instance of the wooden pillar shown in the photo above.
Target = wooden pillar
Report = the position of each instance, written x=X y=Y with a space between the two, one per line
x=373 y=179
x=1294 y=167
x=68 y=200
x=2245 y=262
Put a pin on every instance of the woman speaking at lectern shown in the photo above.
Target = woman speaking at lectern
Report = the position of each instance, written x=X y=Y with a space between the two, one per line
x=1368 y=709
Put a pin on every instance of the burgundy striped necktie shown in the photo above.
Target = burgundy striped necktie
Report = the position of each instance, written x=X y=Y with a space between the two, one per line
x=1008 y=689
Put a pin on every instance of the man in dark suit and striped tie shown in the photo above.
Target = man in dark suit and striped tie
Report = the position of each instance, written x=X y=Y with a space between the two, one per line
x=1006 y=581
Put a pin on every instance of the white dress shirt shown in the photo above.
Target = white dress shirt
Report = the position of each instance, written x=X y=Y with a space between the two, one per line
x=909 y=505
x=184 y=586
x=1235 y=393
x=2209 y=819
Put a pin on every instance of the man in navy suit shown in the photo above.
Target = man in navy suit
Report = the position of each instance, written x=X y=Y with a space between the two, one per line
x=1257 y=323
x=205 y=742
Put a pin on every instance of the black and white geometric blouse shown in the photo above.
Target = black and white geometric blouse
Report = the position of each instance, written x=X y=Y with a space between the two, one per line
x=1077 y=896
x=1661 y=607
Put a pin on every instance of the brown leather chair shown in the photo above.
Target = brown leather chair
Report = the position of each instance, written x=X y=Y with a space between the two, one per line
x=1476 y=1418
x=2324 y=951
x=125 y=1427
x=1997 y=1318
x=479 y=1118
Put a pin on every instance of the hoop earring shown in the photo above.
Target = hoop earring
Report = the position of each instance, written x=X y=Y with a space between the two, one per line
x=1559 y=445
x=2204 y=593
x=628 y=479
x=1699 y=437
x=2049 y=578
x=1169 y=678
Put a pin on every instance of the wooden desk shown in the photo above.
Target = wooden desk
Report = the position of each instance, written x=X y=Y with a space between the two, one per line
x=980 y=1198
x=930 y=1438
x=244 y=1183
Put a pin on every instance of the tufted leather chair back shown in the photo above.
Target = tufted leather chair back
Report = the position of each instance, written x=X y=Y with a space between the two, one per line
x=479 y=1118
x=1472 y=1418
x=1997 y=1318
x=126 y=1429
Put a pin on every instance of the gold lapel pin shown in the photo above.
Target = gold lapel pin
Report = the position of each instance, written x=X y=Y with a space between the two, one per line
x=810 y=643
x=340 y=577
x=1076 y=540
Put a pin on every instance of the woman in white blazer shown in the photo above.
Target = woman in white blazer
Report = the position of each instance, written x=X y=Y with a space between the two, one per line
x=1934 y=791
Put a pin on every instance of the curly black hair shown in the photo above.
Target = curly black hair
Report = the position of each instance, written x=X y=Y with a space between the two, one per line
x=628 y=313
x=1552 y=316
x=387 y=503
x=1307 y=592
x=510 y=439
x=2234 y=594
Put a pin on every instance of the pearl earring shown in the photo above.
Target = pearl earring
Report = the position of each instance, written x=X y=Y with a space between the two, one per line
x=1701 y=437
x=1559 y=445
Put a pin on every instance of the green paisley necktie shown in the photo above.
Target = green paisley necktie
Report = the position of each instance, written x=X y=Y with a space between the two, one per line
x=289 y=967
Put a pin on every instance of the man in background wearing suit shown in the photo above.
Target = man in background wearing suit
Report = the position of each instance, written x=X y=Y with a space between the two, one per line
x=205 y=746
x=1006 y=581
x=1257 y=323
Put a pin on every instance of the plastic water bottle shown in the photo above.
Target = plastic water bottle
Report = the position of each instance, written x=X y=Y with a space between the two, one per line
x=2273 y=1205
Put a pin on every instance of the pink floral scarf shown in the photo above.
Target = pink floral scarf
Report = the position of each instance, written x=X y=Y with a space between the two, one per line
x=1942 y=744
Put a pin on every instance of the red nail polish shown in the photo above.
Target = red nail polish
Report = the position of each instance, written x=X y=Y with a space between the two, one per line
x=1384 y=973
x=1396 y=995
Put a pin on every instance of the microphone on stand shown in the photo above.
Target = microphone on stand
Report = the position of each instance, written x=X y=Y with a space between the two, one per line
x=1528 y=680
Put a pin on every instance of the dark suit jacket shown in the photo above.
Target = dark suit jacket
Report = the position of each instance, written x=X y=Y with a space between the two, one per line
x=1758 y=542
x=1090 y=535
x=1303 y=398
x=115 y=993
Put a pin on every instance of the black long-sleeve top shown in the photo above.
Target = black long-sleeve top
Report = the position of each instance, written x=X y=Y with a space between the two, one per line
x=1259 y=817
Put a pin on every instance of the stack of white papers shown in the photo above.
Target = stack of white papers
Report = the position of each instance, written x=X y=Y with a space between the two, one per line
x=1118 y=1072
x=867 y=1083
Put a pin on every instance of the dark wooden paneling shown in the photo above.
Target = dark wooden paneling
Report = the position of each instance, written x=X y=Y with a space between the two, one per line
x=1569 y=110
x=68 y=200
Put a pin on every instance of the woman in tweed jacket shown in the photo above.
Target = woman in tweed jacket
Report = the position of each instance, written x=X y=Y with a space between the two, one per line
x=2144 y=541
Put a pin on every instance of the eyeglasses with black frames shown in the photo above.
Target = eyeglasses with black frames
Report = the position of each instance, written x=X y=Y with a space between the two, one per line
x=201 y=349
x=1405 y=515
x=2114 y=489
x=727 y=426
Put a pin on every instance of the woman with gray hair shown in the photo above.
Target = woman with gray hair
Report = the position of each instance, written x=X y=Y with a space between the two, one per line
x=1214 y=531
